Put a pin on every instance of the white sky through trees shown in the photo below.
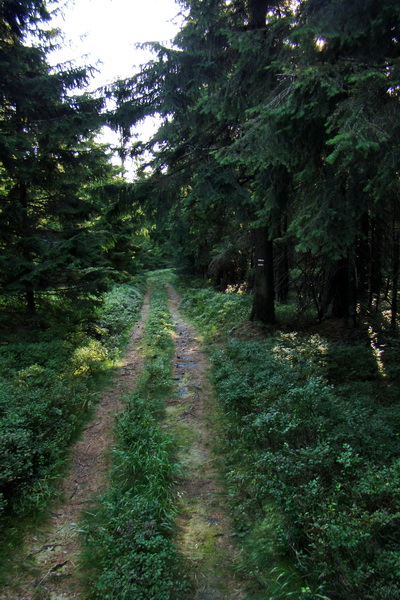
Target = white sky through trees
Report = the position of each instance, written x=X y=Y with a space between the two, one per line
x=105 y=33
x=108 y=30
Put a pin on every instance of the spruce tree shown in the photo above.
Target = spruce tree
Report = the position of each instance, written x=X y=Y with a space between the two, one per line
x=50 y=167
x=297 y=105
x=345 y=93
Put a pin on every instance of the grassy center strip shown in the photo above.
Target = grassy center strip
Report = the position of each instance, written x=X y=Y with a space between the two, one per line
x=129 y=547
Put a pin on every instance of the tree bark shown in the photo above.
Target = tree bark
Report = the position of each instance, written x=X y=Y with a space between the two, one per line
x=363 y=258
x=30 y=301
x=258 y=13
x=340 y=289
x=395 y=277
x=282 y=267
x=375 y=278
x=264 y=294
x=351 y=299
x=29 y=293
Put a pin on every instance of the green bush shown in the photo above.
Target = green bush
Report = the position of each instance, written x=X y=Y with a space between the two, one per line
x=133 y=555
x=311 y=440
x=45 y=390
x=52 y=354
x=306 y=448
x=39 y=413
x=120 y=308
x=215 y=311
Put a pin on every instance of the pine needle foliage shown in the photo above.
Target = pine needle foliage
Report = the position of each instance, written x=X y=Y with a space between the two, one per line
x=296 y=105
x=54 y=237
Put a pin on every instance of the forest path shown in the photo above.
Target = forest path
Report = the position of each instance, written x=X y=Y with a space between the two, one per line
x=50 y=569
x=204 y=536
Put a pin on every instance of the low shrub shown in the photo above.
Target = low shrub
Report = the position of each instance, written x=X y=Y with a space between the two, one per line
x=120 y=307
x=46 y=388
x=215 y=312
x=312 y=465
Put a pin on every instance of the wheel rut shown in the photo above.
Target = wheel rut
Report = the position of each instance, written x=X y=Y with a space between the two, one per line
x=204 y=534
x=50 y=566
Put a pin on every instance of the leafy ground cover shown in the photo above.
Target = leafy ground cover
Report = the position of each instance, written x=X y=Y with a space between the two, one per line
x=311 y=450
x=49 y=376
x=129 y=538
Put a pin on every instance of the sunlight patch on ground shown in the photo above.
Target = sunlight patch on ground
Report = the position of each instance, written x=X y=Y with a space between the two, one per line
x=377 y=351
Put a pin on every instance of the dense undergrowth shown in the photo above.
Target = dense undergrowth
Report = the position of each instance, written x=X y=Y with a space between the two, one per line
x=311 y=446
x=49 y=375
x=129 y=538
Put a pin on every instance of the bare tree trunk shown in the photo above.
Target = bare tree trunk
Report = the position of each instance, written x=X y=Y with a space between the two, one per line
x=351 y=296
x=30 y=301
x=264 y=294
x=363 y=258
x=375 y=283
x=282 y=267
x=29 y=293
x=395 y=277
x=340 y=289
x=258 y=13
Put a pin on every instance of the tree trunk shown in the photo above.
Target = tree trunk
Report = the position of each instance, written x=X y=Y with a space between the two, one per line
x=351 y=300
x=29 y=293
x=282 y=268
x=30 y=301
x=264 y=296
x=258 y=13
x=363 y=258
x=340 y=289
x=395 y=277
x=375 y=283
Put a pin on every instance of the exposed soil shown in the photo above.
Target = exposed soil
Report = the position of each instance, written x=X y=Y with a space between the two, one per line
x=50 y=570
x=204 y=535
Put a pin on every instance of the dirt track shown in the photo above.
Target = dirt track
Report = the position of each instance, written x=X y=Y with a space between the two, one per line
x=204 y=529
x=50 y=569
